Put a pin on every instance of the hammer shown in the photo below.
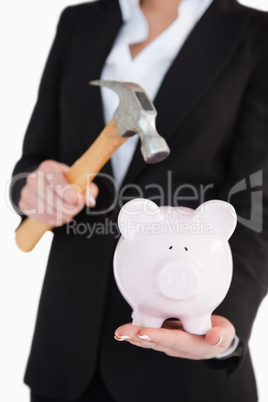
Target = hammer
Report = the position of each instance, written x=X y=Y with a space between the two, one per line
x=135 y=114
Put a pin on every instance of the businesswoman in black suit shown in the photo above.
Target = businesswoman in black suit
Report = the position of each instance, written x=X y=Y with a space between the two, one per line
x=213 y=110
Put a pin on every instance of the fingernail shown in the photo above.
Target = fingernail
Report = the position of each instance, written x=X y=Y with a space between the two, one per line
x=144 y=337
x=91 y=201
x=220 y=341
x=121 y=337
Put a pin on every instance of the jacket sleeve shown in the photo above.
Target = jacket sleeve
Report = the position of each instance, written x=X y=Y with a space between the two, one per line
x=41 y=139
x=247 y=191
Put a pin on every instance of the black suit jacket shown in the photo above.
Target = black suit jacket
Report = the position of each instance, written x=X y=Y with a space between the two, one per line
x=213 y=110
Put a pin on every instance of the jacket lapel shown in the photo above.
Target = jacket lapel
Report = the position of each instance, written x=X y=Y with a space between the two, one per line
x=206 y=53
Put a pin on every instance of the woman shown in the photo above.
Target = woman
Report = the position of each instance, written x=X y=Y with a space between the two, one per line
x=205 y=65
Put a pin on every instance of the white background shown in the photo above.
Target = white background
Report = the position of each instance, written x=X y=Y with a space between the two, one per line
x=27 y=28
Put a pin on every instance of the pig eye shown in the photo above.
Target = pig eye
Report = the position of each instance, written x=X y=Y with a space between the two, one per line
x=170 y=248
x=185 y=248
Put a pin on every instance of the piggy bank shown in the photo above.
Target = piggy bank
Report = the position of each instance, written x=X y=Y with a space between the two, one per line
x=174 y=262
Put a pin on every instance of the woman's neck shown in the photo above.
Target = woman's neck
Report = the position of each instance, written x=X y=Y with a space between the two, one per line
x=164 y=7
x=159 y=14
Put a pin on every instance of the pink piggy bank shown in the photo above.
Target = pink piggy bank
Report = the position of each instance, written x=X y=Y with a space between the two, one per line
x=174 y=262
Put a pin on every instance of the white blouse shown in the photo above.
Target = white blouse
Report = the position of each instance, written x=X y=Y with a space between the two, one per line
x=149 y=67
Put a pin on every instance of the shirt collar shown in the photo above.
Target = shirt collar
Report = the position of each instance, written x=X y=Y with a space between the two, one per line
x=136 y=29
x=127 y=8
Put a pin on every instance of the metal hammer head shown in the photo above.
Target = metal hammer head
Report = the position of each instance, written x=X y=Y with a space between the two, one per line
x=136 y=114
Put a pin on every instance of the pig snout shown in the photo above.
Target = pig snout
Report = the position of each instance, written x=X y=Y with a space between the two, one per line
x=178 y=282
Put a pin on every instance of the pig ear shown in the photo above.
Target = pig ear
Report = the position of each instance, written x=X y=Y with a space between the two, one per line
x=136 y=213
x=221 y=215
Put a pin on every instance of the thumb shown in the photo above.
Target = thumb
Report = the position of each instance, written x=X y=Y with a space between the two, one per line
x=91 y=194
x=221 y=334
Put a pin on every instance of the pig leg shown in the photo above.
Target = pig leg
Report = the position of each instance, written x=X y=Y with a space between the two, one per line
x=199 y=325
x=144 y=320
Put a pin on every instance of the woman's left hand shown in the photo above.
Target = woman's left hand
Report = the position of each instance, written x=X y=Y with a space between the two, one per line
x=172 y=340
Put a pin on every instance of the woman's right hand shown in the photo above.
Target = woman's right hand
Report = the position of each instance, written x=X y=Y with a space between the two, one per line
x=47 y=196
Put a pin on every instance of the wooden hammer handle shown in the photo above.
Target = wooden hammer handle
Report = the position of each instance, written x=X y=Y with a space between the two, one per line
x=81 y=173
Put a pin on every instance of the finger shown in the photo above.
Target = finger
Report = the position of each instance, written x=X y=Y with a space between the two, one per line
x=71 y=194
x=26 y=207
x=50 y=211
x=48 y=179
x=54 y=178
x=127 y=332
x=156 y=339
x=64 y=199
x=28 y=198
x=91 y=194
x=51 y=207
x=221 y=334
x=30 y=191
x=162 y=338
x=69 y=198
x=31 y=203
x=52 y=166
x=166 y=337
